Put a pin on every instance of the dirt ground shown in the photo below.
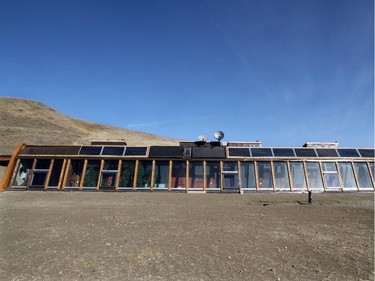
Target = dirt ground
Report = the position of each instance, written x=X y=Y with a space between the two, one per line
x=170 y=236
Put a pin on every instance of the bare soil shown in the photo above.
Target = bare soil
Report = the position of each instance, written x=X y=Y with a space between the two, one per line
x=170 y=236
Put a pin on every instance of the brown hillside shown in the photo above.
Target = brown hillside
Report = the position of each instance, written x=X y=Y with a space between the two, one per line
x=23 y=120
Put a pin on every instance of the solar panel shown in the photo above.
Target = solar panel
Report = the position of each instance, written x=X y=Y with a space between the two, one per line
x=136 y=151
x=261 y=152
x=344 y=152
x=90 y=150
x=113 y=150
x=305 y=152
x=287 y=152
x=367 y=152
x=324 y=152
x=244 y=152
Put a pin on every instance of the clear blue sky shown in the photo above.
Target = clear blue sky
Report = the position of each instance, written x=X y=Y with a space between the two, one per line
x=282 y=72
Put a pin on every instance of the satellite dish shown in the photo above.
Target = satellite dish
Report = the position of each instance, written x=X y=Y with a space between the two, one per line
x=219 y=135
x=202 y=138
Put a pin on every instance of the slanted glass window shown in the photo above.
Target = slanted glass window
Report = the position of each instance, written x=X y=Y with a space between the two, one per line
x=109 y=175
x=331 y=177
x=144 y=174
x=347 y=175
x=161 y=174
x=281 y=175
x=92 y=174
x=213 y=174
x=196 y=174
x=23 y=176
x=313 y=175
x=56 y=173
x=230 y=173
x=264 y=175
x=247 y=175
x=127 y=174
x=372 y=169
x=363 y=175
x=298 y=176
x=178 y=174
x=40 y=173
x=74 y=174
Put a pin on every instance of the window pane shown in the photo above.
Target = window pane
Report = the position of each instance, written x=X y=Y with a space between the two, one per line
x=213 y=174
x=178 y=174
x=196 y=174
x=92 y=173
x=298 y=175
x=75 y=173
x=23 y=176
x=331 y=177
x=363 y=175
x=39 y=179
x=264 y=175
x=247 y=175
x=110 y=165
x=230 y=166
x=109 y=175
x=281 y=175
x=313 y=175
x=347 y=175
x=144 y=174
x=372 y=168
x=127 y=173
x=161 y=174
x=43 y=164
x=56 y=173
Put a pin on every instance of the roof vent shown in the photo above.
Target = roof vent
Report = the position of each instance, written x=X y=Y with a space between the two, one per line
x=317 y=144
x=108 y=142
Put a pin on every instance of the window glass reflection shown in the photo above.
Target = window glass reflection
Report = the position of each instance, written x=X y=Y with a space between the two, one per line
x=161 y=174
x=264 y=175
x=298 y=176
x=313 y=175
x=347 y=175
x=178 y=174
x=247 y=175
x=363 y=175
x=281 y=175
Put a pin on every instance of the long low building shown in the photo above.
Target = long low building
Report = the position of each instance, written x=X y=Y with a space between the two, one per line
x=191 y=167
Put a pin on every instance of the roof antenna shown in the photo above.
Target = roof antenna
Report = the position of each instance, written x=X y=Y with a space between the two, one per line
x=219 y=135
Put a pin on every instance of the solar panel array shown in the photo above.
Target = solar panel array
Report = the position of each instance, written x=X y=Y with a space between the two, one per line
x=113 y=151
x=240 y=152
x=299 y=152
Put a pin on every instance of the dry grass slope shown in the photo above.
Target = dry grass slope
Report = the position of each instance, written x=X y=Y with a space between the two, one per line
x=29 y=121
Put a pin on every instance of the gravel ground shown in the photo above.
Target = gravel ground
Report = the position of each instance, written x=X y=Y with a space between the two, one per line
x=175 y=236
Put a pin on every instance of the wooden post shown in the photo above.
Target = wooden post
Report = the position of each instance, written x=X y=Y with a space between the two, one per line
x=152 y=175
x=339 y=175
x=5 y=182
x=62 y=173
x=289 y=176
x=239 y=177
x=306 y=176
x=204 y=176
x=118 y=174
x=273 y=176
x=135 y=174
x=256 y=176
x=221 y=177
x=83 y=174
x=371 y=175
x=67 y=172
x=170 y=175
x=49 y=173
x=100 y=173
